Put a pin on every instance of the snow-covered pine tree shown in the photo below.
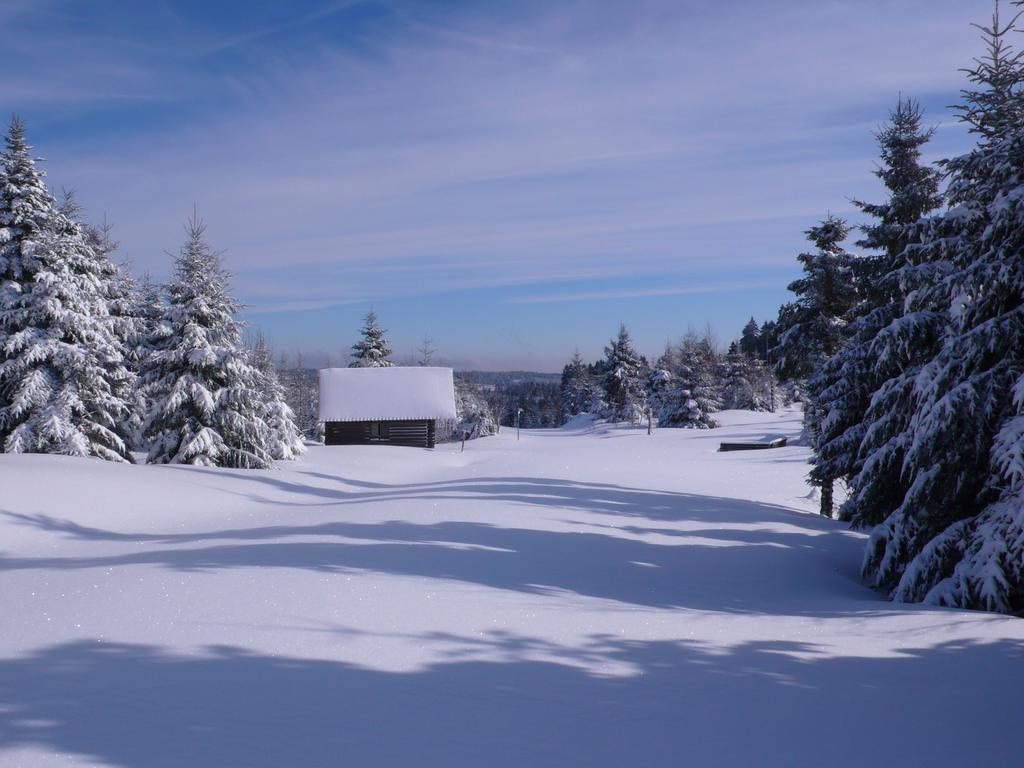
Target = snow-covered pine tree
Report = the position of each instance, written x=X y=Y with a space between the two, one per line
x=372 y=351
x=746 y=386
x=473 y=416
x=736 y=386
x=957 y=536
x=625 y=372
x=842 y=387
x=699 y=372
x=61 y=365
x=285 y=438
x=661 y=380
x=766 y=387
x=118 y=295
x=302 y=393
x=693 y=394
x=577 y=389
x=208 y=407
x=154 y=330
x=811 y=328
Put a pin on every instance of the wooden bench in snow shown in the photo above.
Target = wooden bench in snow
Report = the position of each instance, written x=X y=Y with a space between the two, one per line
x=778 y=442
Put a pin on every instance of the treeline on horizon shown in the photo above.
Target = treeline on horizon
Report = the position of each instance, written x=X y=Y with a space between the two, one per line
x=683 y=387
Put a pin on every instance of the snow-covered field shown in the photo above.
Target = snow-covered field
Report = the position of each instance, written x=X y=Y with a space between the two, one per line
x=578 y=598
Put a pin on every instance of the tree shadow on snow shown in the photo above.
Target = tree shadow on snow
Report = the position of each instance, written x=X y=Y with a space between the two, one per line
x=678 y=703
x=779 y=561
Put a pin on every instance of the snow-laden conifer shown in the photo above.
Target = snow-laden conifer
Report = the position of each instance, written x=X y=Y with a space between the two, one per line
x=578 y=390
x=812 y=326
x=62 y=373
x=118 y=299
x=746 y=386
x=624 y=379
x=699 y=372
x=956 y=536
x=661 y=380
x=154 y=329
x=285 y=437
x=371 y=351
x=692 y=394
x=842 y=386
x=473 y=416
x=208 y=406
x=302 y=393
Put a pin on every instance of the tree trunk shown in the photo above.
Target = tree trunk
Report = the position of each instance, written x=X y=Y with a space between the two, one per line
x=826 y=497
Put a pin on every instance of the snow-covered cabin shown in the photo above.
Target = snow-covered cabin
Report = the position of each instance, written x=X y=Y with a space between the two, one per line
x=392 y=406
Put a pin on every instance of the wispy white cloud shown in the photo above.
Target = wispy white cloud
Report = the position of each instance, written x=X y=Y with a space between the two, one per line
x=436 y=147
x=262 y=34
x=677 y=290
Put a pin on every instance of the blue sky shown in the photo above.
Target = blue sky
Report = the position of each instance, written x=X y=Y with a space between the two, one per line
x=511 y=178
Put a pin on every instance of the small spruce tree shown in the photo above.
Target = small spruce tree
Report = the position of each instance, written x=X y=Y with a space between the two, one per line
x=661 y=381
x=372 y=351
x=285 y=437
x=746 y=386
x=624 y=379
x=577 y=390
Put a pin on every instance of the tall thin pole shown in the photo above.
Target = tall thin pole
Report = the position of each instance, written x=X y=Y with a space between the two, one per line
x=518 y=412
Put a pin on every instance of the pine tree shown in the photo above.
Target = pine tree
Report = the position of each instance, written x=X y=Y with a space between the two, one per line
x=750 y=339
x=372 y=351
x=678 y=408
x=119 y=298
x=841 y=389
x=697 y=394
x=208 y=408
x=285 y=437
x=746 y=386
x=661 y=381
x=577 y=389
x=688 y=393
x=812 y=326
x=956 y=534
x=474 y=417
x=61 y=365
x=154 y=330
x=768 y=339
x=624 y=379
x=766 y=388
x=302 y=393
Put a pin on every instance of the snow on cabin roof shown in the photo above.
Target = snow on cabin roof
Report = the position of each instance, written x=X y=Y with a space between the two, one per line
x=384 y=394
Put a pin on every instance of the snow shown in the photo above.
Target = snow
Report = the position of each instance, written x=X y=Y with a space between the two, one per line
x=379 y=394
x=588 y=596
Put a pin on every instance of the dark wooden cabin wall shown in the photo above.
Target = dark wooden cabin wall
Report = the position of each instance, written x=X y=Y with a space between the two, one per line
x=420 y=433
